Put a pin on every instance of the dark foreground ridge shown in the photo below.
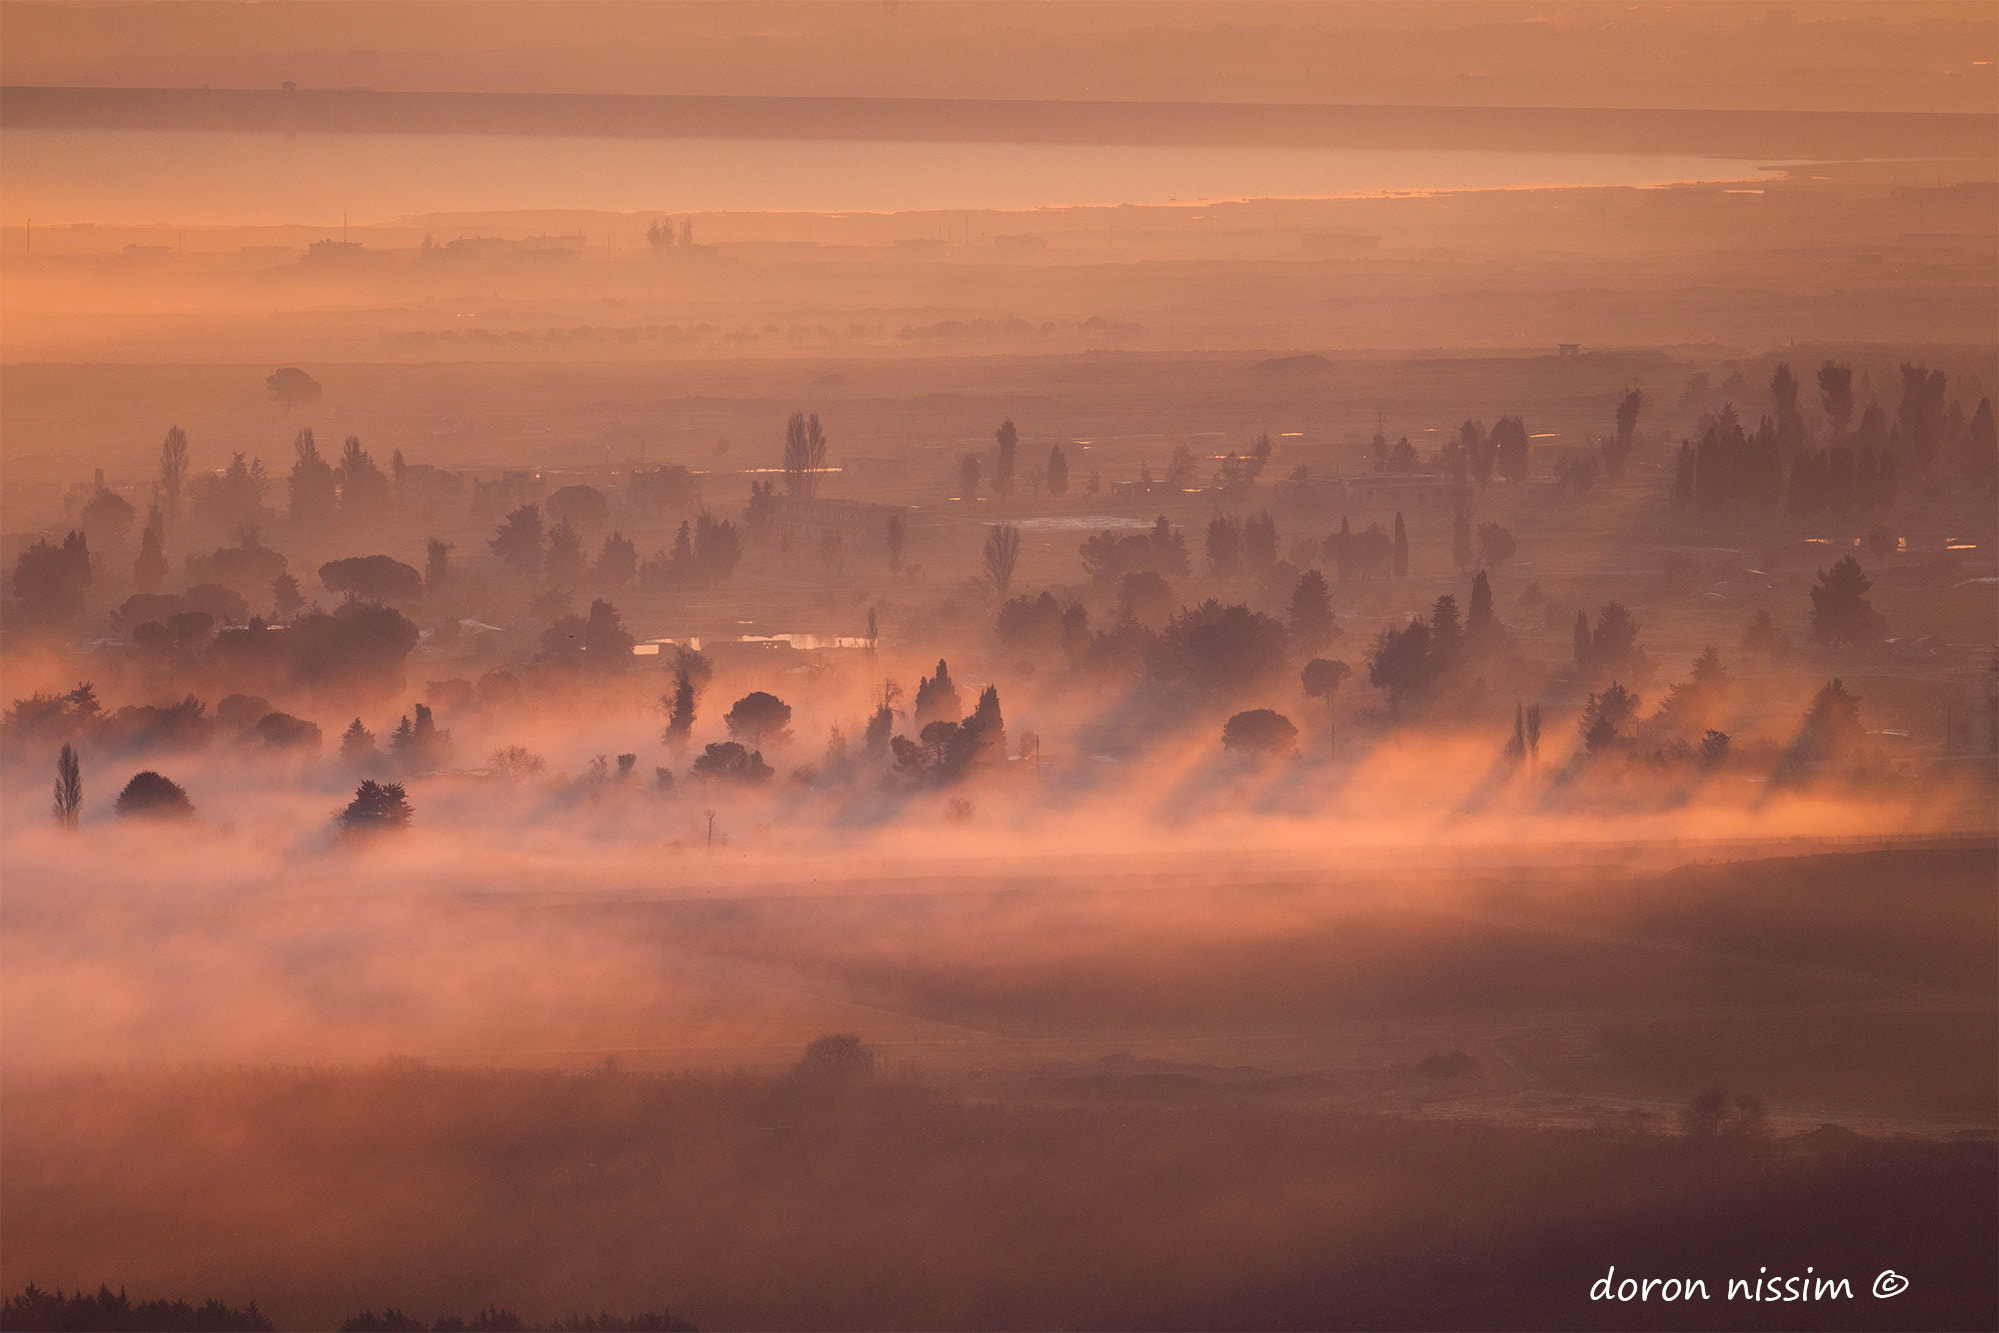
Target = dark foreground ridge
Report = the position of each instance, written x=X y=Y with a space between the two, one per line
x=38 y=1311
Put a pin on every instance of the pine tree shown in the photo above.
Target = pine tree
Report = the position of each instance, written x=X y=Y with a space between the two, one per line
x=1058 y=471
x=357 y=743
x=377 y=807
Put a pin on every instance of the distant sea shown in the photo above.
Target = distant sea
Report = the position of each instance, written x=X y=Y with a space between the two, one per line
x=211 y=177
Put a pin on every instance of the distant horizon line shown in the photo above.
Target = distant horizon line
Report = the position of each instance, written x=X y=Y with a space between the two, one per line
x=1826 y=134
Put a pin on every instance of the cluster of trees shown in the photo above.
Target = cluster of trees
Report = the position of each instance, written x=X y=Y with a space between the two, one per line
x=1859 y=468
x=1420 y=662
x=1366 y=554
x=353 y=489
x=1477 y=454
x=1241 y=545
x=947 y=748
x=36 y=1311
x=661 y=237
x=1610 y=647
x=1109 y=556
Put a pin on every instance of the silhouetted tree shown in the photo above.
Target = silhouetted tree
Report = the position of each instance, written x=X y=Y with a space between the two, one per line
x=881 y=723
x=1978 y=456
x=979 y=743
x=106 y=516
x=1030 y=622
x=968 y=478
x=804 y=455
x=286 y=597
x=1763 y=636
x=1109 y=556
x=1058 y=471
x=377 y=807
x=1260 y=731
x=418 y=742
x=1841 y=613
x=1605 y=716
x=1003 y=463
x=151 y=796
x=728 y=761
x=1612 y=646
x=375 y=578
x=1509 y=442
x=436 y=566
x=357 y=743
x=1223 y=652
x=937 y=698
x=1830 y=735
x=282 y=731
x=607 y=645
x=759 y=718
x=1002 y=553
x=69 y=787
x=1533 y=731
x=51 y=580
x=1259 y=543
x=149 y=570
x=1401 y=548
x=313 y=494
x=679 y=707
x=1312 y=625
x=1836 y=394
x=1495 y=544
x=1479 y=621
x=1321 y=679
x=1919 y=416
x=292 y=387
x=1617 y=451
x=38 y=1311
x=1693 y=706
x=565 y=564
x=173 y=469
x=363 y=488
x=717 y=548
x=1479 y=450
x=579 y=505
x=519 y=541
x=617 y=561
x=1223 y=546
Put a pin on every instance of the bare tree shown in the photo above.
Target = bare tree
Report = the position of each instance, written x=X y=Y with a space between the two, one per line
x=69 y=788
x=173 y=469
x=804 y=455
x=1001 y=555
